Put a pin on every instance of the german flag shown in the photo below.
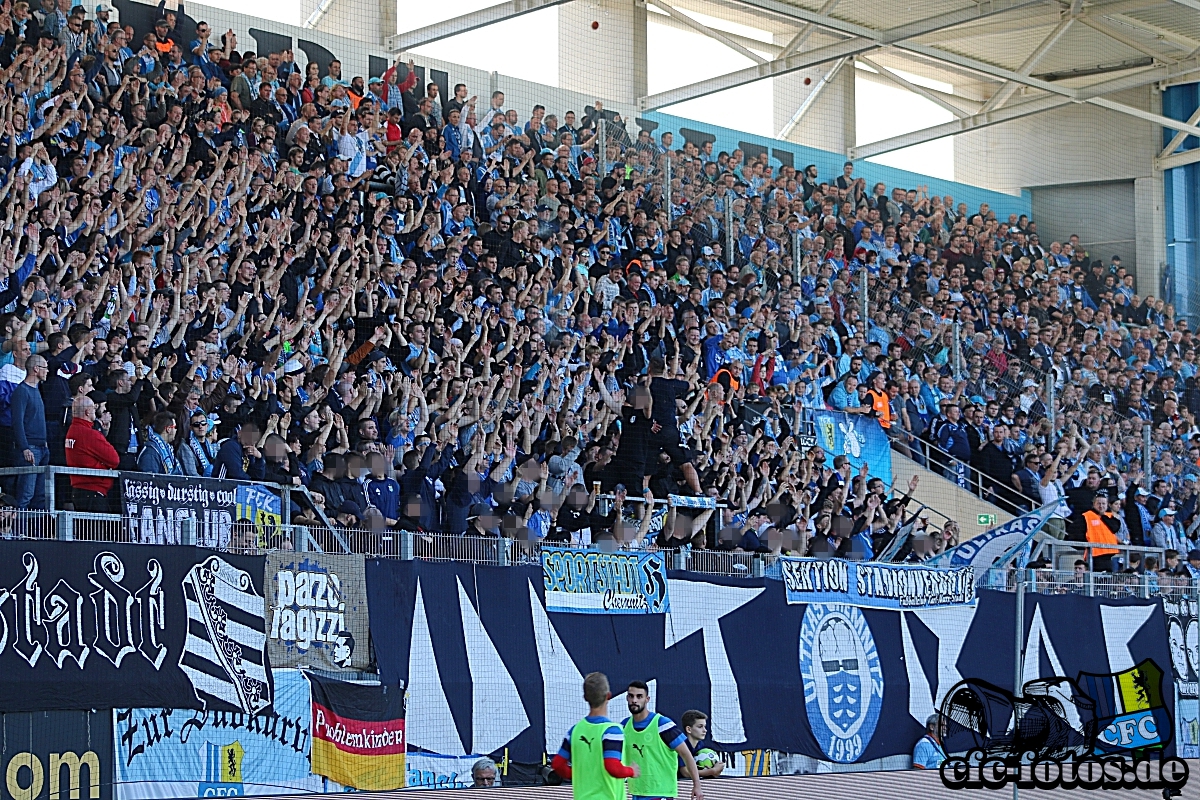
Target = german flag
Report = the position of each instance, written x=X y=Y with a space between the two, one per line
x=357 y=734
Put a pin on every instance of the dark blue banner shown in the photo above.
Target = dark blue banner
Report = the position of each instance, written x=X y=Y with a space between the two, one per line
x=86 y=625
x=487 y=667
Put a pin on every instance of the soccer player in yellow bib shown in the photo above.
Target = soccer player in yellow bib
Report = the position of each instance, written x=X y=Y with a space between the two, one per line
x=590 y=756
x=655 y=744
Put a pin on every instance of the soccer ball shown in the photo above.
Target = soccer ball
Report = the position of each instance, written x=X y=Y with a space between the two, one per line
x=706 y=758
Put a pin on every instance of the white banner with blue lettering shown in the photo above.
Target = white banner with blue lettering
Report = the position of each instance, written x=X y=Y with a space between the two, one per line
x=997 y=546
x=860 y=438
x=875 y=585
x=593 y=582
x=428 y=771
x=163 y=753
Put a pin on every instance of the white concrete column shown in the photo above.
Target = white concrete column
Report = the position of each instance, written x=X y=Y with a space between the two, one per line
x=608 y=60
x=1150 y=225
x=829 y=121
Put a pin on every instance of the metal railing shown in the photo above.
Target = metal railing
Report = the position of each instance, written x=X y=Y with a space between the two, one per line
x=499 y=551
x=56 y=503
x=937 y=460
x=1109 y=585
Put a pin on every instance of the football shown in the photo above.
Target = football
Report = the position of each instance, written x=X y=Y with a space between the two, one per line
x=706 y=758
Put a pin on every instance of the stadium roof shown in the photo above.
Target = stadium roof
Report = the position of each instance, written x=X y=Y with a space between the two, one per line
x=1005 y=59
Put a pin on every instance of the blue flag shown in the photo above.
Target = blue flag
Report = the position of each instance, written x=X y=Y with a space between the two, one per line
x=995 y=548
x=860 y=438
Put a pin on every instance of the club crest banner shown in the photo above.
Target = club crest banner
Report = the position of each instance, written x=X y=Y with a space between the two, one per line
x=87 y=625
x=875 y=585
x=595 y=582
x=860 y=438
x=318 y=611
x=489 y=668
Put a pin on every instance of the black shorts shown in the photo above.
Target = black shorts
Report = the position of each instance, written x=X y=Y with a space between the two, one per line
x=667 y=441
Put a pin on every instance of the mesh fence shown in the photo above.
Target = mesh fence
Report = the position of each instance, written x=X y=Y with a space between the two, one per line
x=956 y=244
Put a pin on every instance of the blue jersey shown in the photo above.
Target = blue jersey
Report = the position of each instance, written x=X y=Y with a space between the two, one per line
x=928 y=754
x=384 y=494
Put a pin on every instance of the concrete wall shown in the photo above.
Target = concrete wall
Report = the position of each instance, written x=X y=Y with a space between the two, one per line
x=945 y=497
x=830 y=163
x=1100 y=213
x=1081 y=145
x=1078 y=143
x=608 y=61
x=829 y=123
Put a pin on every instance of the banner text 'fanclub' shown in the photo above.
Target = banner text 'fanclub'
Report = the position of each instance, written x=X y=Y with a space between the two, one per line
x=156 y=513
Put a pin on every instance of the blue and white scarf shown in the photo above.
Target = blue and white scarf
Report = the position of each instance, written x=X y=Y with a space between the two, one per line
x=204 y=458
x=170 y=465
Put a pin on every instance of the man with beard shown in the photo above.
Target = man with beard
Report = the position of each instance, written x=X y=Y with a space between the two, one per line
x=655 y=744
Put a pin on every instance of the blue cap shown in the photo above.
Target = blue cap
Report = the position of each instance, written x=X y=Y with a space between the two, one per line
x=1166 y=512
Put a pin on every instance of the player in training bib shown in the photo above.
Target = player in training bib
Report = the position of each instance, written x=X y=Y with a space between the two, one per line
x=655 y=744
x=590 y=756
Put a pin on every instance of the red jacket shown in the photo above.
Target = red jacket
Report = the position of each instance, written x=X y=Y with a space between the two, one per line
x=88 y=449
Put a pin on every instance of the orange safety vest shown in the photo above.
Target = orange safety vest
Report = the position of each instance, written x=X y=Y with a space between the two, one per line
x=734 y=383
x=882 y=403
x=1098 y=532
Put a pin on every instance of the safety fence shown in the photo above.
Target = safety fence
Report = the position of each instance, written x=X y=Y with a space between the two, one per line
x=156 y=509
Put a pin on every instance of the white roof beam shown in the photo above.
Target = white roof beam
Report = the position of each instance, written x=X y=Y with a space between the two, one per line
x=983 y=68
x=1178 y=138
x=804 y=33
x=964 y=125
x=1177 y=159
x=662 y=18
x=1185 y=42
x=862 y=40
x=811 y=98
x=712 y=33
x=1136 y=79
x=1112 y=32
x=1037 y=105
x=912 y=87
x=467 y=22
x=1006 y=91
x=772 y=69
x=1149 y=116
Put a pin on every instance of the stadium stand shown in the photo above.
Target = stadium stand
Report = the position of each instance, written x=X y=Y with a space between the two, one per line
x=447 y=314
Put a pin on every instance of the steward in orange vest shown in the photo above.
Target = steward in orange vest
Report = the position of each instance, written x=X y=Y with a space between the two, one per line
x=1100 y=527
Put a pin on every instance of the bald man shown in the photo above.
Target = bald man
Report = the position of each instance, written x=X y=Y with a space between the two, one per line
x=87 y=448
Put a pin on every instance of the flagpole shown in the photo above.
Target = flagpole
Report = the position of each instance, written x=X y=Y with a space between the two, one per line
x=1018 y=661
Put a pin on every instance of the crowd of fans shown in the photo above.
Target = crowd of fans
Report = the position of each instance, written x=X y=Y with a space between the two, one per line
x=450 y=315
